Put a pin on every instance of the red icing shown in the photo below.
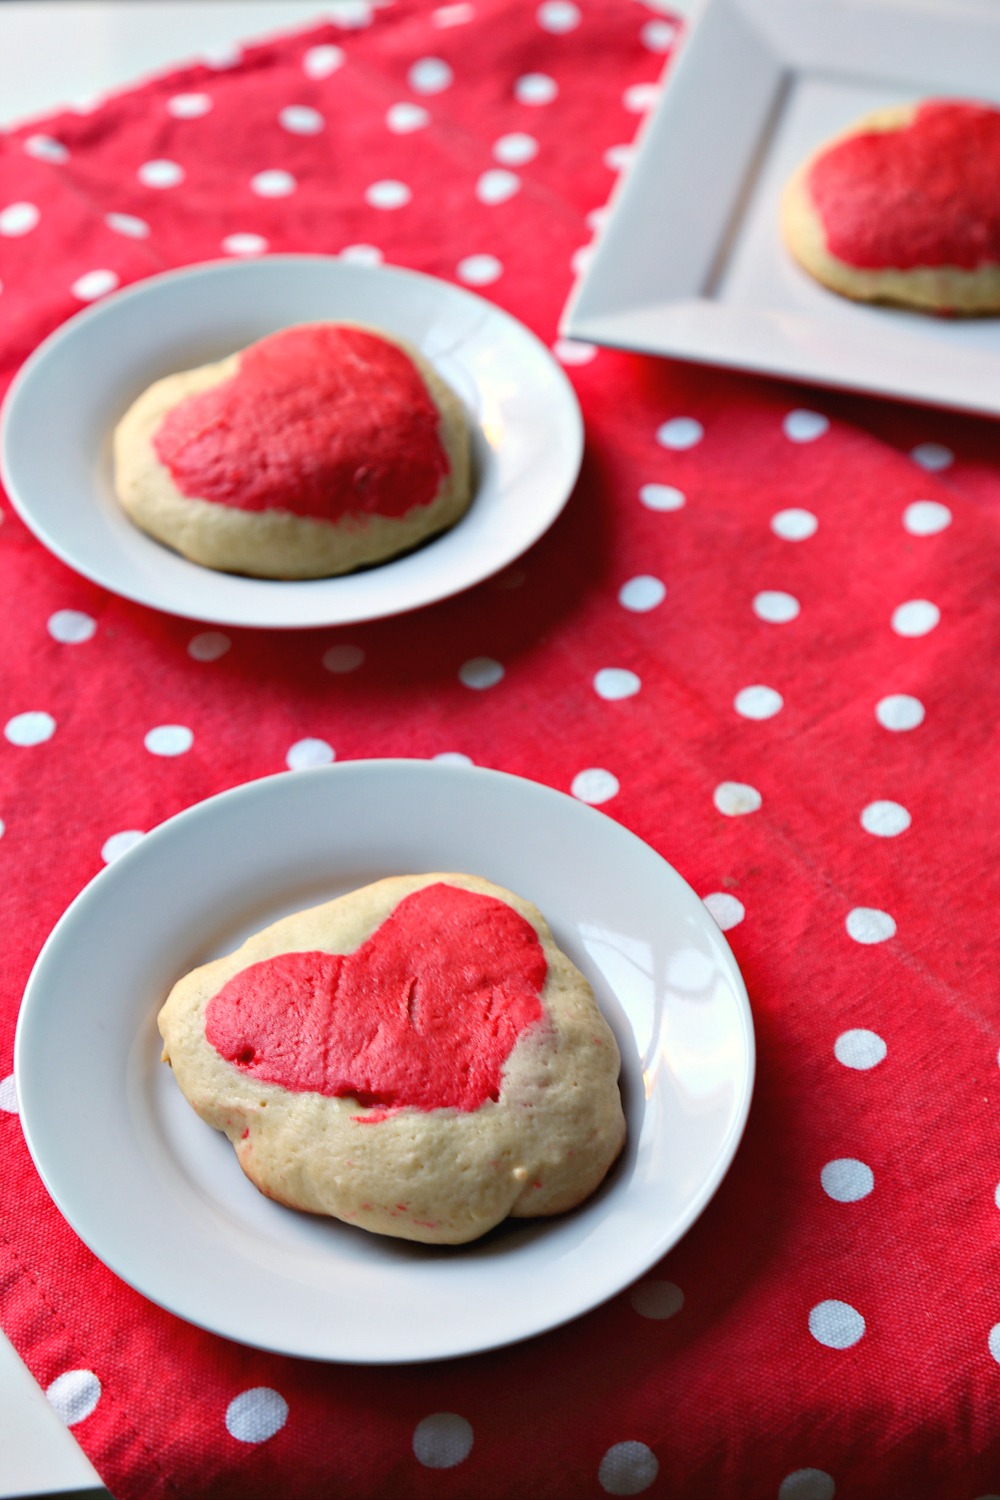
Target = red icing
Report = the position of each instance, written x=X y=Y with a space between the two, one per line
x=925 y=195
x=425 y=1013
x=323 y=421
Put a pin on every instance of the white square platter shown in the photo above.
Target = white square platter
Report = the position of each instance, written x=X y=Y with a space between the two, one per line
x=690 y=261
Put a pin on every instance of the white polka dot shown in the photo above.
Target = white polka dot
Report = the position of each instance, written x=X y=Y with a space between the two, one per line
x=387 y=194
x=189 y=106
x=497 y=185
x=94 y=284
x=758 y=702
x=597 y=218
x=640 y=97
x=658 y=36
x=680 y=433
x=847 y=1180
x=480 y=672
x=807 y=1484
x=726 y=911
x=574 y=351
x=558 y=16
x=915 y=618
x=430 y=75
x=859 y=1049
x=581 y=258
x=516 y=149
x=926 y=518
x=616 y=682
x=662 y=497
x=642 y=593
x=256 y=1415
x=453 y=15
x=627 y=1469
x=244 y=244
x=169 y=740
x=535 y=88
x=932 y=456
x=405 y=117
x=274 y=183
x=868 y=925
x=160 y=174
x=8 y=1095
x=209 y=645
x=479 y=270
x=595 y=785
x=224 y=55
x=657 y=1299
x=307 y=753
x=453 y=758
x=442 y=1440
x=71 y=626
x=127 y=224
x=340 y=659
x=794 y=525
x=46 y=148
x=617 y=158
x=17 y=219
x=300 y=119
x=838 y=1325
x=805 y=426
x=735 y=798
x=776 y=607
x=362 y=255
x=899 y=712
x=352 y=15
x=320 y=62
x=120 y=843
x=885 y=819
x=74 y=1395
x=30 y=728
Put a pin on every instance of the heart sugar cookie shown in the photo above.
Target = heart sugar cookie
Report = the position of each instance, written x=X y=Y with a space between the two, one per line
x=417 y=1058
x=904 y=208
x=322 y=448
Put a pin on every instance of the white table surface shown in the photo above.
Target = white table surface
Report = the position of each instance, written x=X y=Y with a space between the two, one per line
x=56 y=52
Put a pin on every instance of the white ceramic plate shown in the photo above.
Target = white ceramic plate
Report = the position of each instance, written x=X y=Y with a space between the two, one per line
x=158 y=1195
x=691 y=262
x=64 y=403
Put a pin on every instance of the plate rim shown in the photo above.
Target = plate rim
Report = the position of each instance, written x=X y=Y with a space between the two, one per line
x=659 y=1243
x=162 y=600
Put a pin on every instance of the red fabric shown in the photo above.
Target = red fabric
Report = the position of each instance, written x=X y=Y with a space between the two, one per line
x=733 y=1396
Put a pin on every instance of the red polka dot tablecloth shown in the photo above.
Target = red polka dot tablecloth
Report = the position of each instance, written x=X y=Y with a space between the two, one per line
x=764 y=635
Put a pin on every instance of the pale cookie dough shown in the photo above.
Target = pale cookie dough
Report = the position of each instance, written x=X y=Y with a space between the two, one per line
x=438 y=1174
x=276 y=542
x=905 y=197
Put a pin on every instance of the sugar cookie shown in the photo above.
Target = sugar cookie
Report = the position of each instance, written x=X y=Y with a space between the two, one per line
x=417 y=1058
x=320 y=449
x=904 y=208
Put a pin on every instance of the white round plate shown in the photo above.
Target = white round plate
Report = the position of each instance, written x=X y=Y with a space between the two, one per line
x=63 y=405
x=158 y=1195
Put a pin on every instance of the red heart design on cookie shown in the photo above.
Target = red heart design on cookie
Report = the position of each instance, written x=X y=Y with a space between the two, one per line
x=324 y=420
x=923 y=194
x=424 y=1013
